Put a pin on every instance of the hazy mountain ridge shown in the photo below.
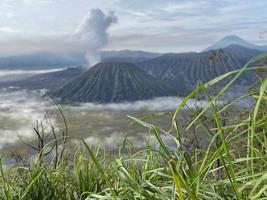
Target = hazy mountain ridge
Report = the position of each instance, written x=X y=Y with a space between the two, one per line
x=45 y=60
x=46 y=81
x=127 y=55
x=112 y=82
x=234 y=40
x=184 y=70
x=41 y=60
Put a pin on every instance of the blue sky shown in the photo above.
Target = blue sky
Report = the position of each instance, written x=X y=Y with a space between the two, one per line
x=153 y=25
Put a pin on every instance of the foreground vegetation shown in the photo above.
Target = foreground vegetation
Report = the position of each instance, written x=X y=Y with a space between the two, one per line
x=232 y=166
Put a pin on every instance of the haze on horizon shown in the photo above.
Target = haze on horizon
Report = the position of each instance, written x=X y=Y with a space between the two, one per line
x=159 y=25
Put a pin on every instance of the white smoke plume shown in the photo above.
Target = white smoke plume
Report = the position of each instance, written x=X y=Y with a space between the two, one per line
x=92 y=32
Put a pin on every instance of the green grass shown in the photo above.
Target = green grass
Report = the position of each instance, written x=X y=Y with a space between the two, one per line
x=233 y=166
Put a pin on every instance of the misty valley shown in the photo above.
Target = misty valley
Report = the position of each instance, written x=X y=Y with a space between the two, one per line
x=106 y=125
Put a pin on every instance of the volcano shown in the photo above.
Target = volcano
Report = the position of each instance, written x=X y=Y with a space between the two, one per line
x=112 y=82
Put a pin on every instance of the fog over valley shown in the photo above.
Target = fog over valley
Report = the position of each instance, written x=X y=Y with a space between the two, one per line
x=19 y=110
x=13 y=75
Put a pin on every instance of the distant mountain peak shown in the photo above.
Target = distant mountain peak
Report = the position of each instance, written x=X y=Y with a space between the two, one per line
x=228 y=41
x=235 y=40
x=232 y=37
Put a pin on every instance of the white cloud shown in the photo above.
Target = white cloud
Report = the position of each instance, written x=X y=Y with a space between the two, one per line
x=8 y=15
x=30 y=108
x=92 y=32
x=156 y=104
x=151 y=20
x=13 y=75
x=7 y=29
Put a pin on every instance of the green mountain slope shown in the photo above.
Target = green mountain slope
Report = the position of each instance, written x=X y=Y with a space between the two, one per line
x=112 y=82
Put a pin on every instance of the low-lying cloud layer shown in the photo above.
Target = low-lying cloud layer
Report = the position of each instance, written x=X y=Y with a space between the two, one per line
x=156 y=104
x=19 y=111
x=11 y=75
